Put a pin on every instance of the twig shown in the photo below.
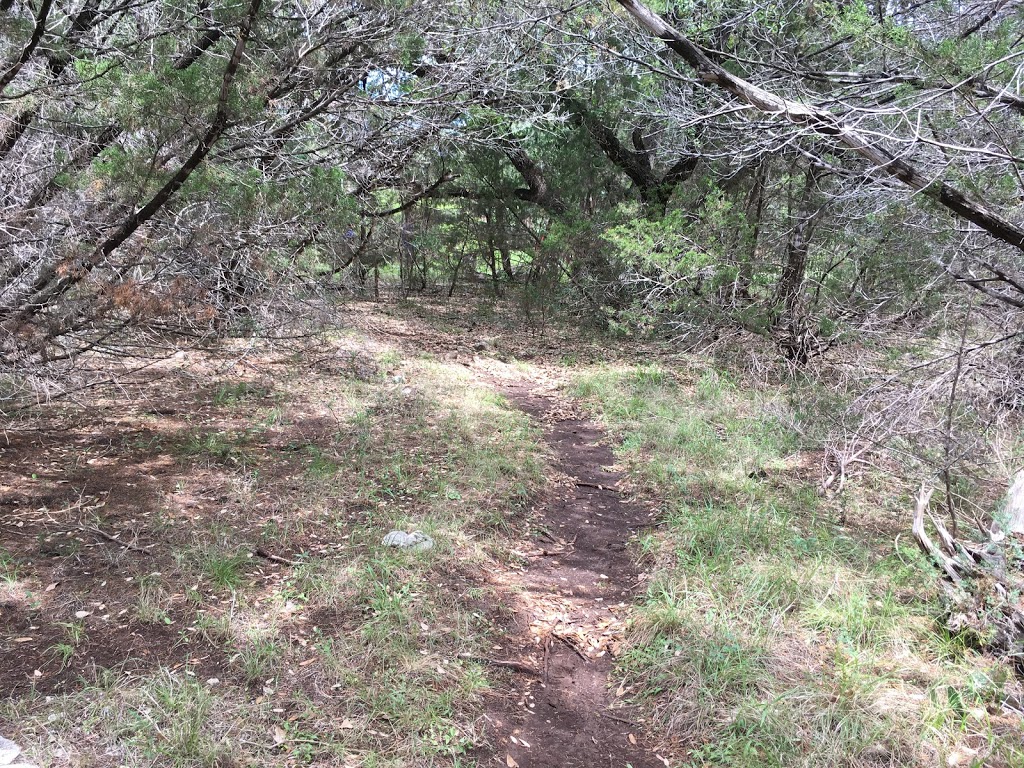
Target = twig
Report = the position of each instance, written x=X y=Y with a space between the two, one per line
x=518 y=666
x=550 y=552
x=547 y=649
x=948 y=564
x=545 y=532
x=572 y=647
x=618 y=719
x=113 y=539
x=260 y=552
x=597 y=486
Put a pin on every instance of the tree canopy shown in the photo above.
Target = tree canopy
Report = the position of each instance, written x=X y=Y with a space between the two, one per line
x=804 y=171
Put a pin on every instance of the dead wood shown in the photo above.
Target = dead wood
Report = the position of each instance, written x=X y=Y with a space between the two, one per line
x=260 y=552
x=113 y=539
x=597 y=486
x=981 y=600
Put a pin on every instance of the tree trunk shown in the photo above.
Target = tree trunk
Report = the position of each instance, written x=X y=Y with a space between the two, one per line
x=54 y=282
x=1015 y=505
x=751 y=231
x=790 y=286
x=789 y=294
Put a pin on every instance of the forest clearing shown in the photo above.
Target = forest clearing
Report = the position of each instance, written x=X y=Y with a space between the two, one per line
x=467 y=383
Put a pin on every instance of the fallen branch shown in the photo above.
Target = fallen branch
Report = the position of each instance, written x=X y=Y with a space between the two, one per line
x=597 y=486
x=946 y=562
x=981 y=600
x=550 y=552
x=883 y=162
x=618 y=719
x=260 y=552
x=572 y=646
x=113 y=539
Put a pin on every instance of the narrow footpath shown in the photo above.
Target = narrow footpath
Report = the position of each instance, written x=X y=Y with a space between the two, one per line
x=570 y=604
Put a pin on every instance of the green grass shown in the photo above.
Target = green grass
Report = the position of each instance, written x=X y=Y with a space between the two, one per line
x=769 y=634
x=154 y=601
x=259 y=655
x=216 y=448
x=64 y=652
x=9 y=567
x=238 y=393
x=220 y=564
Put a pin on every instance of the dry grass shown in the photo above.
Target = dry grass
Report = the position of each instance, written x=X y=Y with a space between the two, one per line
x=775 y=632
x=342 y=652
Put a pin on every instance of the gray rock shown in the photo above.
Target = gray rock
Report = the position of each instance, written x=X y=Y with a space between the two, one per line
x=8 y=751
x=403 y=540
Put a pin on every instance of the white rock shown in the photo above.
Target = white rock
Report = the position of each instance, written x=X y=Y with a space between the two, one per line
x=8 y=751
x=403 y=540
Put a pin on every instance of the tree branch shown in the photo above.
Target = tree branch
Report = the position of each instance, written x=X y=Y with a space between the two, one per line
x=825 y=123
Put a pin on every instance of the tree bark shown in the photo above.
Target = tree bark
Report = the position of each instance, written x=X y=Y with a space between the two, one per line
x=26 y=53
x=789 y=295
x=1015 y=505
x=794 y=269
x=655 y=191
x=56 y=63
x=537 y=190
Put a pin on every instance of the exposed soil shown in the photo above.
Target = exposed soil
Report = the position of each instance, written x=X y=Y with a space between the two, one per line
x=92 y=500
x=573 y=596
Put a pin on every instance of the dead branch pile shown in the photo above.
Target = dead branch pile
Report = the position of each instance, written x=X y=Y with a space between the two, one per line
x=982 y=584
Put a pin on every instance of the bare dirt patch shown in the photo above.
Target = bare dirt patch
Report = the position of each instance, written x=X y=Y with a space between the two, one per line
x=563 y=709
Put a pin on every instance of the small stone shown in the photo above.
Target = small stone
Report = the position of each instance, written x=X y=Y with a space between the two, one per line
x=415 y=540
x=8 y=751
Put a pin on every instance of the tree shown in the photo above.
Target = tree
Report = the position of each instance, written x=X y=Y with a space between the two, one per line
x=997 y=281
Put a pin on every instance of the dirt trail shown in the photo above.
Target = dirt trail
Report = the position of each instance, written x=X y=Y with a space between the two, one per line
x=572 y=600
